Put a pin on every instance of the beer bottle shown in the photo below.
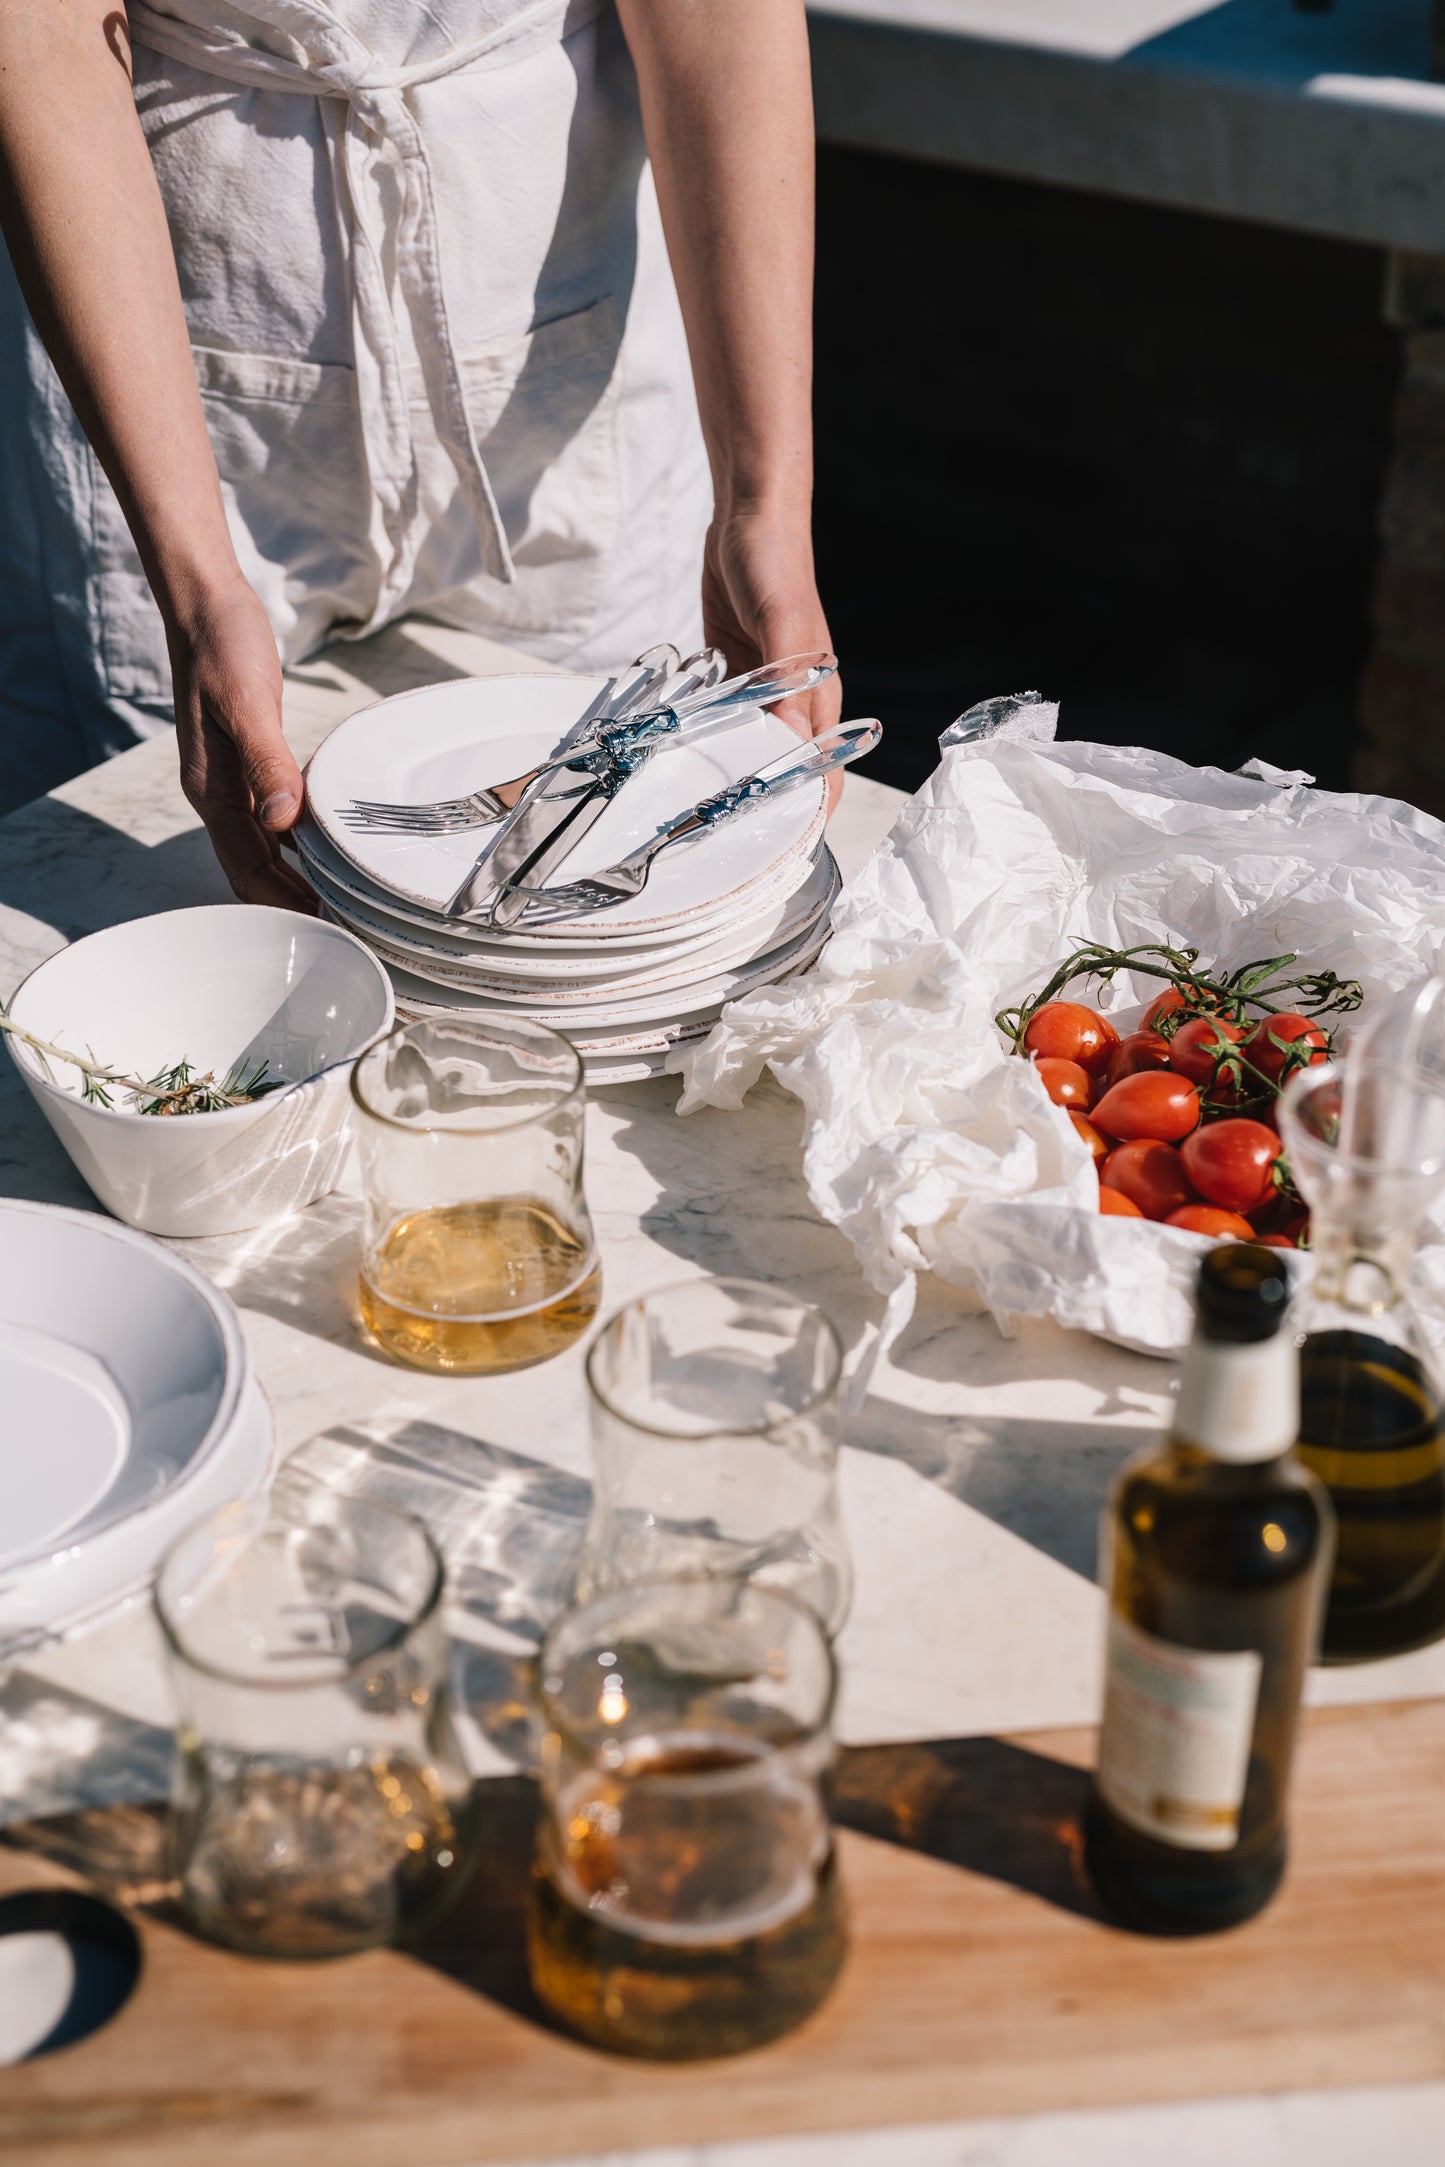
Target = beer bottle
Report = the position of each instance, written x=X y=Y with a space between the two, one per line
x=1215 y=1556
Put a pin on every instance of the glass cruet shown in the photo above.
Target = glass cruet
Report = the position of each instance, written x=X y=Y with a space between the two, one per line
x=1366 y=1145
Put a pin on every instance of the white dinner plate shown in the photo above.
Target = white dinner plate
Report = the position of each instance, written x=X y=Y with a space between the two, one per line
x=125 y=1383
x=498 y=964
x=319 y=863
x=651 y=1010
x=443 y=740
x=657 y=971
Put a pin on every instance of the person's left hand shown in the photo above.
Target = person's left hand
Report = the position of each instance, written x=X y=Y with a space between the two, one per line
x=760 y=603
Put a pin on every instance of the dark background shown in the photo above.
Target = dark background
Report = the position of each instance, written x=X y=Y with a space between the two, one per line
x=1128 y=456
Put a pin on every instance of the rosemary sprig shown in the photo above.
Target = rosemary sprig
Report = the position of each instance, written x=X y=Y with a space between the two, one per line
x=1254 y=986
x=176 y=1090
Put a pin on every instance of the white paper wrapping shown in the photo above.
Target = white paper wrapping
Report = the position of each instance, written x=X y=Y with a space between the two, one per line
x=926 y=1142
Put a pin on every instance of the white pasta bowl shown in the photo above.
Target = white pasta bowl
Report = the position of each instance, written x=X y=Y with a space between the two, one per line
x=216 y=986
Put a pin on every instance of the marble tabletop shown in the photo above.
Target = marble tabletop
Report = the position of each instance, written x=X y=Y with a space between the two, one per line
x=972 y=1476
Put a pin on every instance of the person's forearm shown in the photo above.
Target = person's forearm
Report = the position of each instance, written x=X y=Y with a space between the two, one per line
x=83 y=219
x=727 y=106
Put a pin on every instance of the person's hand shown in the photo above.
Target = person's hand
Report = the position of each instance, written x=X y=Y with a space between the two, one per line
x=760 y=603
x=236 y=768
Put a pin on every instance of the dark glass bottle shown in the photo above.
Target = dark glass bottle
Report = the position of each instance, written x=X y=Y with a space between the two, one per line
x=1214 y=1559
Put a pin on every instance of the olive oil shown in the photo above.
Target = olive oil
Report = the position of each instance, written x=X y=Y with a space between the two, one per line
x=1215 y=1555
x=1373 y=1430
x=475 y=1288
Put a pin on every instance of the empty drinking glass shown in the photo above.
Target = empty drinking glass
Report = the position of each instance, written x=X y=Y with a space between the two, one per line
x=714 y=1444
x=320 y=1799
x=477 y=1251
x=685 y=1899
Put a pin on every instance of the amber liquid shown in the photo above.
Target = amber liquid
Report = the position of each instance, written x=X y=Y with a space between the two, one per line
x=1217 y=1557
x=744 y=1932
x=1372 y=1430
x=473 y=1288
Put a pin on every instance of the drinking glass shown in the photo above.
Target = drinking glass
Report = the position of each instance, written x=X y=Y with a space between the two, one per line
x=477 y=1251
x=1366 y=1144
x=320 y=1799
x=685 y=1898
x=714 y=1444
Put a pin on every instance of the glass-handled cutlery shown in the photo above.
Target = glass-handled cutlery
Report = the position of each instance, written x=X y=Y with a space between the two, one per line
x=628 y=878
x=688 y=704
x=637 y=688
x=534 y=839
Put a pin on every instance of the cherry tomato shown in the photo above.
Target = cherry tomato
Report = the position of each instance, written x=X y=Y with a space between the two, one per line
x=1065 y=1082
x=1115 y=1205
x=1197 y=1046
x=1209 y=1219
x=1091 y=1136
x=1169 y=1002
x=1275 y=1241
x=1160 y=1105
x=1150 y=1174
x=1067 y=1031
x=1231 y=1163
x=1140 y=1050
x=1278 y=1045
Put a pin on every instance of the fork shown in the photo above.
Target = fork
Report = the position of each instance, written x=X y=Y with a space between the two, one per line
x=621 y=882
x=690 y=705
x=656 y=672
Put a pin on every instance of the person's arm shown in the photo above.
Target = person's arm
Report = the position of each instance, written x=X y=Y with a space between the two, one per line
x=86 y=230
x=728 y=111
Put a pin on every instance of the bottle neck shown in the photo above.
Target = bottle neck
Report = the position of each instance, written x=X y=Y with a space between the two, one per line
x=1239 y=1402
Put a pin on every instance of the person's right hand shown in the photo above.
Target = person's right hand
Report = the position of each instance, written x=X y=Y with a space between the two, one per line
x=236 y=768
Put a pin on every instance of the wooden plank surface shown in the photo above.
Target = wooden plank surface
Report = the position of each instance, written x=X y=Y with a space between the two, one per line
x=981 y=1982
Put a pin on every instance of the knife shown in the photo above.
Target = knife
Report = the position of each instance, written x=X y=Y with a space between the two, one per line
x=513 y=838
x=552 y=838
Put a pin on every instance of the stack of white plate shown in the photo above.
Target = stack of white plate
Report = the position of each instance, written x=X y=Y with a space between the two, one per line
x=130 y=1412
x=743 y=904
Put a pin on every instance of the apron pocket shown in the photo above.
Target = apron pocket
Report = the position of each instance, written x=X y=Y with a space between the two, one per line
x=289 y=449
x=544 y=408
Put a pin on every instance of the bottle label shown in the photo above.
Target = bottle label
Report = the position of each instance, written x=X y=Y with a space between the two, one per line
x=1178 y=1722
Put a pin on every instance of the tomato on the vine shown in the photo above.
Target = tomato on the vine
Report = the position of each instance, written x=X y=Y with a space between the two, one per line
x=1140 y=1050
x=1068 y=1031
x=1231 y=1163
x=1209 y=1219
x=1150 y=1174
x=1155 y=1104
x=1097 y=1147
x=1066 y=1083
x=1115 y=1205
x=1170 y=1001
x=1278 y=1045
x=1198 y=1046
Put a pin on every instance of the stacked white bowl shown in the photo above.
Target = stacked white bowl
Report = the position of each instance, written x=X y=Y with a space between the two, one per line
x=744 y=904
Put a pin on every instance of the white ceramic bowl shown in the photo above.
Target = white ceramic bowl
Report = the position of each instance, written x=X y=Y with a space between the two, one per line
x=212 y=986
x=130 y=1411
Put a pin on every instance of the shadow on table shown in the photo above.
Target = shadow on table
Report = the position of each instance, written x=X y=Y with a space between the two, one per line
x=985 y=1804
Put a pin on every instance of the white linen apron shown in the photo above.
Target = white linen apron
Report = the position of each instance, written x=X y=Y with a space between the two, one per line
x=439 y=351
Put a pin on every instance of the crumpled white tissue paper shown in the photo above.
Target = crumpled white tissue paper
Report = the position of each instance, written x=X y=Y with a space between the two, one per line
x=926 y=1142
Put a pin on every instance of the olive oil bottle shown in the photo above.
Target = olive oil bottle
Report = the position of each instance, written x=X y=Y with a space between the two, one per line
x=1215 y=1555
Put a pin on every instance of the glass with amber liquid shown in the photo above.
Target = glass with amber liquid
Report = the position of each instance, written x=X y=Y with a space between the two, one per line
x=477 y=1250
x=685 y=1898
x=1366 y=1142
x=1214 y=1557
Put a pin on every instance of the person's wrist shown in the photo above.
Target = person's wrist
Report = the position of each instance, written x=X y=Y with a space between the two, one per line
x=195 y=586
